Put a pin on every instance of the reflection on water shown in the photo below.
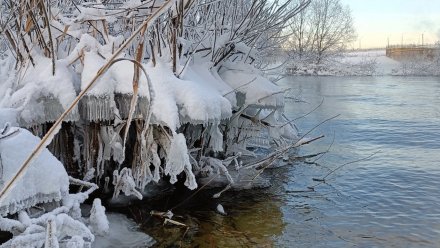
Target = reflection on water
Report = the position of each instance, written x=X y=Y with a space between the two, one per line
x=253 y=218
x=392 y=200
x=248 y=224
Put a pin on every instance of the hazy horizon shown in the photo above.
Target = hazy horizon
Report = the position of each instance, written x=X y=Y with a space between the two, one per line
x=400 y=21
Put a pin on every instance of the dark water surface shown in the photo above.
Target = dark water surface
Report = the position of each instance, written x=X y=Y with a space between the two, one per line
x=391 y=200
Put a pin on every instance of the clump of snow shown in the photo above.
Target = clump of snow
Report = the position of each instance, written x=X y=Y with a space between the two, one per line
x=37 y=84
x=247 y=80
x=202 y=74
x=75 y=242
x=98 y=220
x=8 y=115
x=118 y=78
x=178 y=161
x=197 y=101
x=45 y=179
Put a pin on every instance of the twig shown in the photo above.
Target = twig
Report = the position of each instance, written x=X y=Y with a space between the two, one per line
x=297 y=118
x=235 y=89
x=328 y=149
x=351 y=162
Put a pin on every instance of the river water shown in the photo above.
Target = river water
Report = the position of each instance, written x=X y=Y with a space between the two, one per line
x=389 y=200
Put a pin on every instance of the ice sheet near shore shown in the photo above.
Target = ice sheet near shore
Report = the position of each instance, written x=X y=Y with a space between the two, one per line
x=123 y=232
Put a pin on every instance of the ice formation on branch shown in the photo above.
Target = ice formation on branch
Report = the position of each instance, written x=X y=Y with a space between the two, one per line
x=178 y=161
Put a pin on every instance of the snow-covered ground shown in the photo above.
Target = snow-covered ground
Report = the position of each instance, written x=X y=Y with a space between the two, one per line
x=383 y=64
x=366 y=63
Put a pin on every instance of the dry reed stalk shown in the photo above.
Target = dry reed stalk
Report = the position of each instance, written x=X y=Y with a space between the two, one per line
x=50 y=43
x=136 y=72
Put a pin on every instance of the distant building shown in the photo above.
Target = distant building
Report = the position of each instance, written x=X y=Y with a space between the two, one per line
x=406 y=52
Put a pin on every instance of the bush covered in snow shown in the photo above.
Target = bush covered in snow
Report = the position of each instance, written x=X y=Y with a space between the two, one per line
x=134 y=92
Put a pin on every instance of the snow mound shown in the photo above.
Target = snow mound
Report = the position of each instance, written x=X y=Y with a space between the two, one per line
x=45 y=179
x=204 y=75
x=41 y=96
x=197 y=101
x=258 y=90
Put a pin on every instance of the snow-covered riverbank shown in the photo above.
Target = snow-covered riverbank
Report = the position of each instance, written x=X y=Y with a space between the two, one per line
x=366 y=63
x=115 y=99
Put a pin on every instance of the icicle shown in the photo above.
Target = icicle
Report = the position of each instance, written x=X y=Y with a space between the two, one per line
x=218 y=165
x=155 y=160
x=116 y=144
x=100 y=160
x=123 y=104
x=106 y=140
x=98 y=220
x=76 y=150
x=1 y=172
x=190 y=181
x=216 y=142
x=51 y=238
x=97 y=108
x=106 y=182
x=142 y=173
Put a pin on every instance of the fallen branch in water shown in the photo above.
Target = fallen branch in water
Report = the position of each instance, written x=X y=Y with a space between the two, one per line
x=301 y=141
x=302 y=158
x=311 y=111
x=166 y=221
x=328 y=149
x=339 y=167
x=322 y=180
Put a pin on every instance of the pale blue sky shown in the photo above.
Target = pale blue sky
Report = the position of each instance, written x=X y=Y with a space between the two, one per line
x=376 y=20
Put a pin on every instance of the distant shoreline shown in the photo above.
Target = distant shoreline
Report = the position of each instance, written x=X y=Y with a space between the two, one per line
x=369 y=62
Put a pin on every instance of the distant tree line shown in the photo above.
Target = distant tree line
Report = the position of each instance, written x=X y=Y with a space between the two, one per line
x=322 y=29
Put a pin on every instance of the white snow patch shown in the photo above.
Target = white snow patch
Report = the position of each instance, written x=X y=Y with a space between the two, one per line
x=45 y=179
x=259 y=91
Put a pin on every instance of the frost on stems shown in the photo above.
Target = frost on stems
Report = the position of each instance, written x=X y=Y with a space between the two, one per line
x=123 y=181
x=51 y=238
x=57 y=226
